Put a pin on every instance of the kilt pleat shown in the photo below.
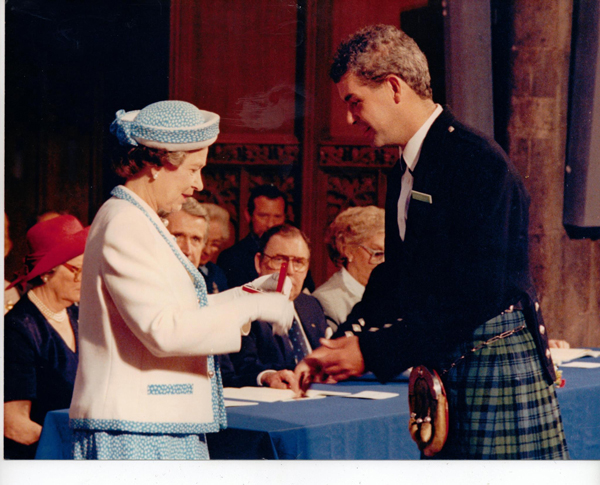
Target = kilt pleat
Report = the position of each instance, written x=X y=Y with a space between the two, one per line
x=500 y=405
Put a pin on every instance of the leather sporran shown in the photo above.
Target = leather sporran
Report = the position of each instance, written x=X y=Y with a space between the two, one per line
x=428 y=424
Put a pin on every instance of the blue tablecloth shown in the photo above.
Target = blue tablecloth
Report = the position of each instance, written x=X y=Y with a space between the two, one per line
x=340 y=428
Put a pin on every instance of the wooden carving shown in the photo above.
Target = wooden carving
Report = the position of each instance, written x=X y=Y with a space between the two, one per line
x=254 y=154
x=357 y=156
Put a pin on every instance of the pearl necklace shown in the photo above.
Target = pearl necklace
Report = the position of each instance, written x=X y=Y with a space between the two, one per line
x=59 y=317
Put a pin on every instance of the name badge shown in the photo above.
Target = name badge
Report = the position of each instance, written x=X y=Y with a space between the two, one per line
x=421 y=197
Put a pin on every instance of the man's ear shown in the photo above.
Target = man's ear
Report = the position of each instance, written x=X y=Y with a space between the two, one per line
x=257 y=263
x=247 y=216
x=396 y=85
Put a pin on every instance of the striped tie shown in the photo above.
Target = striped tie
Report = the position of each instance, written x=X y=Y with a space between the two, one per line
x=298 y=342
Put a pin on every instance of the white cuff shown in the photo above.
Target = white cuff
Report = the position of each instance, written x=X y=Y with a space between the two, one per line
x=260 y=376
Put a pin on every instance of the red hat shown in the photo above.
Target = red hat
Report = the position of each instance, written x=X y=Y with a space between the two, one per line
x=52 y=243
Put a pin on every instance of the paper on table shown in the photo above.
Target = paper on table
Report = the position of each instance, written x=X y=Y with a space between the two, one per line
x=320 y=392
x=565 y=355
x=583 y=365
x=232 y=404
x=374 y=395
x=267 y=394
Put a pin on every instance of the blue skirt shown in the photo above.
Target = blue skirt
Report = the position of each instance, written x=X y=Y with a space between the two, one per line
x=115 y=445
x=500 y=404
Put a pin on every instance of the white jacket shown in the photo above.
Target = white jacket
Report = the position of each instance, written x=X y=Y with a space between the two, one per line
x=144 y=341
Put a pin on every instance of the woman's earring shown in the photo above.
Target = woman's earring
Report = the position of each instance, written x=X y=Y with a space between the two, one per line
x=154 y=175
x=45 y=279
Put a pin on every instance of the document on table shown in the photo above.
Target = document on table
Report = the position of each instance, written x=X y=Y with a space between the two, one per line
x=583 y=365
x=267 y=394
x=233 y=404
x=374 y=395
x=560 y=356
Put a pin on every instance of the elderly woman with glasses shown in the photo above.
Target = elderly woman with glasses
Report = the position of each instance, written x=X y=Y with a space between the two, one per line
x=40 y=333
x=355 y=240
x=148 y=386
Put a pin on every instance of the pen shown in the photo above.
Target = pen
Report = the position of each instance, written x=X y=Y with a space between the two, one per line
x=282 y=274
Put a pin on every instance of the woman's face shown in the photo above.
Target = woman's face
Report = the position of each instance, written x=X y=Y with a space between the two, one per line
x=360 y=261
x=65 y=282
x=174 y=184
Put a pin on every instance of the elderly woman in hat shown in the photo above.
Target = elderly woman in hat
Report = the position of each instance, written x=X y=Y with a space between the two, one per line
x=355 y=243
x=148 y=386
x=40 y=333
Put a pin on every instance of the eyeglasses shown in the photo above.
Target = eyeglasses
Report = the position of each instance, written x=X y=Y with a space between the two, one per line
x=375 y=256
x=75 y=270
x=275 y=262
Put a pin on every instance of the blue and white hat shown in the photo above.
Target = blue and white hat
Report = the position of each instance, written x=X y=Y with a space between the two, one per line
x=170 y=125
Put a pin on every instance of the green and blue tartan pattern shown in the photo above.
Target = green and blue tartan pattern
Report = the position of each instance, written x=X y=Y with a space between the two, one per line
x=500 y=405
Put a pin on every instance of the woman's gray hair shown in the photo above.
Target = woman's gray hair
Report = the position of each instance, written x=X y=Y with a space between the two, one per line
x=352 y=227
x=376 y=51
x=218 y=214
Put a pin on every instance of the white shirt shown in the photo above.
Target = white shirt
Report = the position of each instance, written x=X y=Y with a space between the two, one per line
x=411 y=154
x=338 y=295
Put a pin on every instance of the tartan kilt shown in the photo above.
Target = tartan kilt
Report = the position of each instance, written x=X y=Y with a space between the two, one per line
x=500 y=405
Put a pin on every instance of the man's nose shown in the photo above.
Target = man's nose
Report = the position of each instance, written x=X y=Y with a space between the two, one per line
x=185 y=246
x=350 y=118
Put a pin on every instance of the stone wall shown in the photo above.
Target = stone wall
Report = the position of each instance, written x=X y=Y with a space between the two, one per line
x=566 y=272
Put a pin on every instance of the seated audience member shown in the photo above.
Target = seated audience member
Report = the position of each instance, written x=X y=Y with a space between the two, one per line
x=267 y=359
x=266 y=208
x=218 y=235
x=11 y=296
x=190 y=228
x=40 y=334
x=355 y=240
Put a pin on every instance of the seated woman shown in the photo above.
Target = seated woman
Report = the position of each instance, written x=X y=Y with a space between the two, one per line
x=355 y=242
x=40 y=334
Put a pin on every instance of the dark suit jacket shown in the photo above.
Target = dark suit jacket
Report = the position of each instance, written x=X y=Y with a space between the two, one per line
x=238 y=261
x=464 y=259
x=214 y=277
x=261 y=350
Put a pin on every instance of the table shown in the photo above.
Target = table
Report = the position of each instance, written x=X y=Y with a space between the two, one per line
x=338 y=428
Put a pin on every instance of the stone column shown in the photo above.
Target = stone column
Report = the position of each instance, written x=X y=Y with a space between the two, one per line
x=566 y=272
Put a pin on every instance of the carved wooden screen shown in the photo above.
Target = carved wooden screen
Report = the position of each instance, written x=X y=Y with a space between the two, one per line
x=263 y=66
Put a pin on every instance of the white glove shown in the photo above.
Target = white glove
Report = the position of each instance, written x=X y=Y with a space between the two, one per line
x=274 y=308
x=263 y=283
x=269 y=283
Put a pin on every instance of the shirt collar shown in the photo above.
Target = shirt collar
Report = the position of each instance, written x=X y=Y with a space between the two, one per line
x=412 y=150
x=351 y=283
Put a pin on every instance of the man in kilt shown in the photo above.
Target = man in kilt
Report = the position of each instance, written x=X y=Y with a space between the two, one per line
x=455 y=292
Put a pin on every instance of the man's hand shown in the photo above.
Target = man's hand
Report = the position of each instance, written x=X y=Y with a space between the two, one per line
x=282 y=379
x=335 y=360
x=558 y=344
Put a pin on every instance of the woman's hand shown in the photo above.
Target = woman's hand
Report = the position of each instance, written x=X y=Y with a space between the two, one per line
x=276 y=309
x=18 y=426
x=270 y=283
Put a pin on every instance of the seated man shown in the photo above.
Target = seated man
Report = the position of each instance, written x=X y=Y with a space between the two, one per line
x=266 y=208
x=190 y=228
x=266 y=359
x=218 y=235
